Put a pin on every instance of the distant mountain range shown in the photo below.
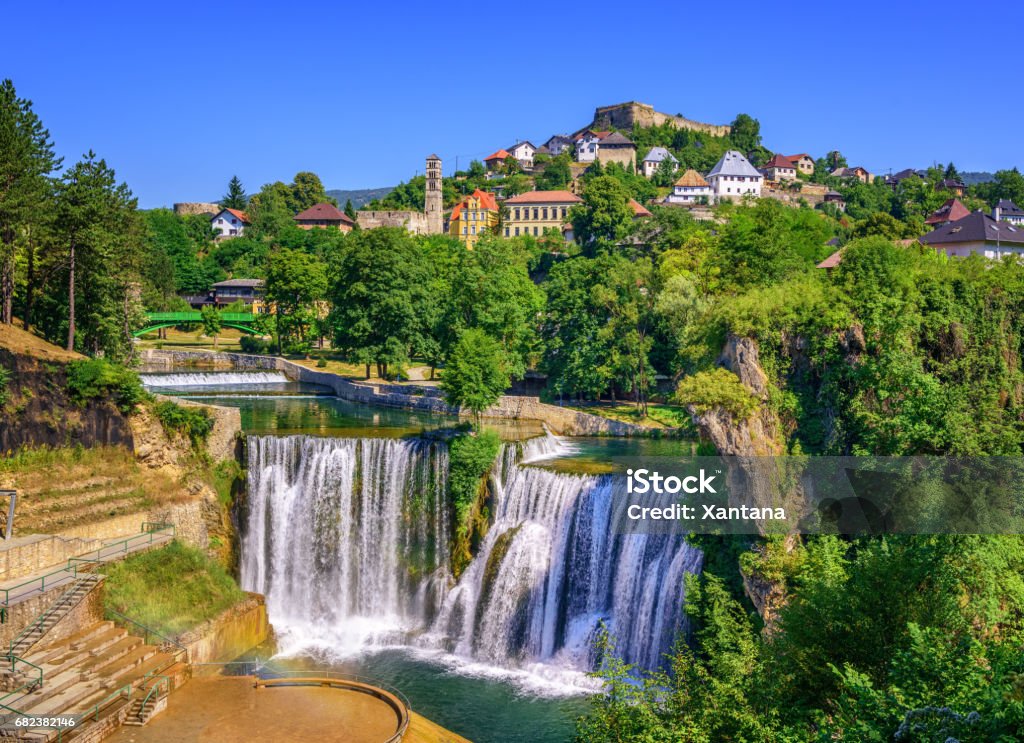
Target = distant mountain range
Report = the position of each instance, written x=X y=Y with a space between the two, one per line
x=360 y=196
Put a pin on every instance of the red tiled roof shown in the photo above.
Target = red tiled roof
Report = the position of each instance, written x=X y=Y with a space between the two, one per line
x=499 y=155
x=545 y=197
x=487 y=201
x=802 y=155
x=239 y=213
x=833 y=260
x=780 y=161
x=638 y=209
x=322 y=212
x=951 y=211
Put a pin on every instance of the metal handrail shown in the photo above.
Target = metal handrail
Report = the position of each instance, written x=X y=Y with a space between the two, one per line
x=150 y=631
x=38 y=621
x=71 y=569
x=164 y=681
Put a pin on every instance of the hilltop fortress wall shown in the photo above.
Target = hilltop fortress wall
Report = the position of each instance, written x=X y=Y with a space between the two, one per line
x=625 y=115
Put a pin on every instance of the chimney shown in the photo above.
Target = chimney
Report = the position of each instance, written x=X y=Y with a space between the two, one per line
x=997 y=213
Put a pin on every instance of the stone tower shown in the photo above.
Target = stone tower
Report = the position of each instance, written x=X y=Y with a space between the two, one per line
x=434 y=203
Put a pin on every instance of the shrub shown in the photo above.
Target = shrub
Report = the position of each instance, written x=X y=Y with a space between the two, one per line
x=469 y=459
x=321 y=363
x=195 y=423
x=254 y=344
x=719 y=388
x=91 y=379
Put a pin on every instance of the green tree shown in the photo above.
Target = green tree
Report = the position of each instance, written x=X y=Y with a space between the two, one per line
x=745 y=133
x=379 y=284
x=26 y=161
x=556 y=175
x=211 y=323
x=604 y=217
x=98 y=233
x=307 y=190
x=492 y=291
x=235 y=198
x=350 y=211
x=295 y=282
x=476 y=374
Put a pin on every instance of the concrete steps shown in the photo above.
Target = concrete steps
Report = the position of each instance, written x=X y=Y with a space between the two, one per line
x=67 y=601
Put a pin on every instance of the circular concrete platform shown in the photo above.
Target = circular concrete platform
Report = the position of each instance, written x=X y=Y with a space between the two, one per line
x=235 y=710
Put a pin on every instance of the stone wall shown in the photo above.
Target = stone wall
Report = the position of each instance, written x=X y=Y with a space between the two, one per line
x=414 y=222
x=625 y=115
x=33 y=554
x=225 y=637
x=196 y=207
x=88 y=611
x=562 y=421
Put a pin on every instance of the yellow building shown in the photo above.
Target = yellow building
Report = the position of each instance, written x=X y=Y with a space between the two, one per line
x=475 y=215
x=534 y=212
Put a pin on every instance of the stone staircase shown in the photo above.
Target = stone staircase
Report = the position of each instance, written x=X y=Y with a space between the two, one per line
x=67 y=601
x=101 y=676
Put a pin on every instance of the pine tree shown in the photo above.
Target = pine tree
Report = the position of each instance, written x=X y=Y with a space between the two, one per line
x=350 y=211
x=235 y=198
x=98 y=231
x=26 y=160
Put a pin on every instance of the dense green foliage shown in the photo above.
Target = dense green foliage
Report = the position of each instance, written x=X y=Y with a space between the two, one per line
x=476 y=374
x=906 y=638
x=91 y=379
x=171 y=589
x=470 y=458
x=195 y=422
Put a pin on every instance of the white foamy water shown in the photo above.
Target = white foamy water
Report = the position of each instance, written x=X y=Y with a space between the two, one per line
x=212 y=379
x=348 y=539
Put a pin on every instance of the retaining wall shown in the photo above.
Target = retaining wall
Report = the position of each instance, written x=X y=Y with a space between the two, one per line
x=225 y=637
x=33 y=554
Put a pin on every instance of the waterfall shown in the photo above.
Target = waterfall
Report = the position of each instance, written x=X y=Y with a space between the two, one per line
x=348 y=539
x=212 y=379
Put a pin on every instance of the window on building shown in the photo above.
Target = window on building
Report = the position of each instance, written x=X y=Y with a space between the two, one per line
x=517 y=232
x=506 y=232
x=473 y=230
x=545 y=211
x=535 y=232
x=536 y=211
x=517 y=215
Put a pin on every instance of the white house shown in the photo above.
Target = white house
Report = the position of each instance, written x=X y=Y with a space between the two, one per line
x=1007 y=211
x=523 y=152
x=653 y=161
x=977 y=233
x=558 y=144
x=229 y=223
x=587 y=145
x=733 y=177
x=691 y=188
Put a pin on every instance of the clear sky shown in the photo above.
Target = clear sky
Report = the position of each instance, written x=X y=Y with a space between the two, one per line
x=180 y=97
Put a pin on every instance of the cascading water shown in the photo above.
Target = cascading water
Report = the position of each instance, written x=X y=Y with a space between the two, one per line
x=212 y=379
x=348 y=539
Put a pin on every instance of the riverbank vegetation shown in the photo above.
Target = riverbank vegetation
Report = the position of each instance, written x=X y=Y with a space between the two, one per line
x=171 y=589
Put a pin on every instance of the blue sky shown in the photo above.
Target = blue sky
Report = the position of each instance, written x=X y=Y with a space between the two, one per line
x=180 y=97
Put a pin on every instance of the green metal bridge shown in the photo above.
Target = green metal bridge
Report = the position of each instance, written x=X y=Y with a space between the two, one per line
x=155 y=320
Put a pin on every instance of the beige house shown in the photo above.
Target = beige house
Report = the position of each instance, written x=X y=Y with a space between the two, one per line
x=804 y=163
x=617 y=148
x=857 y=172
x=533 y=212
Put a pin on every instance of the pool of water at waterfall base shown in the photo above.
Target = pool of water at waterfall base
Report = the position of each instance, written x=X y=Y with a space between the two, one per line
x=478 y=703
